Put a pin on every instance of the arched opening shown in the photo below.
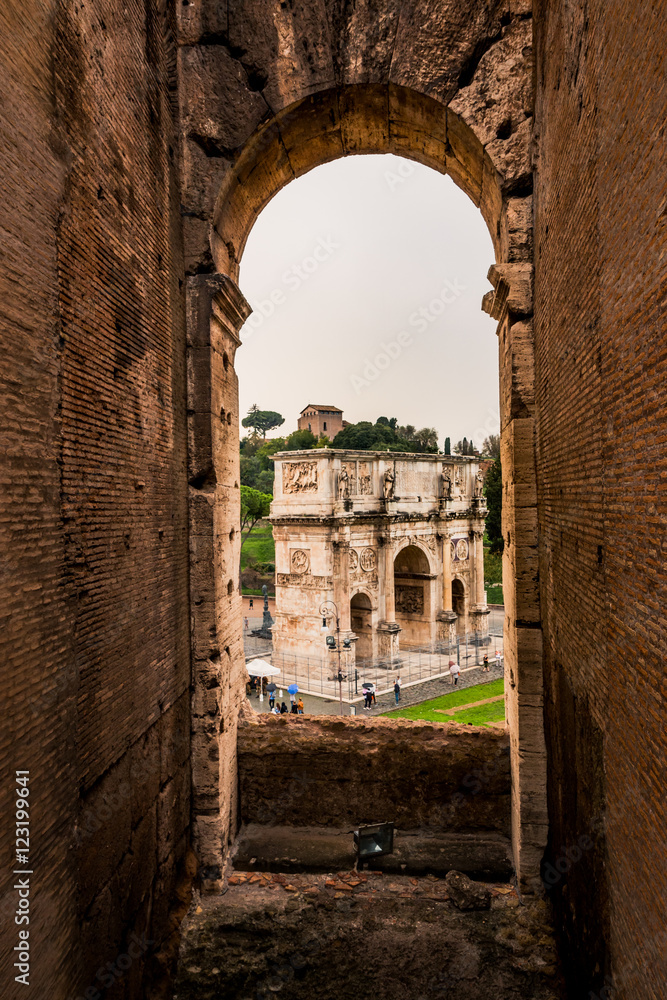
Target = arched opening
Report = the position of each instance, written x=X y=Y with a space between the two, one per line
x=361 y=620
x=459 y=604
x=386 y=118
x=348 y=121
x=413 y=585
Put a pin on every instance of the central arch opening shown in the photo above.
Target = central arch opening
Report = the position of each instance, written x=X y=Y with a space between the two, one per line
x=368 y=381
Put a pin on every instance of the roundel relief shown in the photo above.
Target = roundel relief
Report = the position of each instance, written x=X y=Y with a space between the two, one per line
x=299 y=561
x=354 y=559
x=367 y=560
x=462 y=549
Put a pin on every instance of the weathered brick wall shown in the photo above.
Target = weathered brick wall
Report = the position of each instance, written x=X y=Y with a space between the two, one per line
x=38 y=706
x=339 y=772
x=601 y=361
x=97 y=655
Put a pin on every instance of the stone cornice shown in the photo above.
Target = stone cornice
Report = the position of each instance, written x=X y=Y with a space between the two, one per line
x=378 y=518
x=513 y=291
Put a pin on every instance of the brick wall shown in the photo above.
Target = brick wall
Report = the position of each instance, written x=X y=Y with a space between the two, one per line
x=96 y=581
x=601 y=233
x=37 y=670
x=340 y=772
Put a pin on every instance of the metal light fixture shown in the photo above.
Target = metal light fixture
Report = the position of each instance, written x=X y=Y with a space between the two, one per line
x=374 y=841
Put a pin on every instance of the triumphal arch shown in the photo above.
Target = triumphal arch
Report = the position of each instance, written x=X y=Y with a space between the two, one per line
x=391 y=543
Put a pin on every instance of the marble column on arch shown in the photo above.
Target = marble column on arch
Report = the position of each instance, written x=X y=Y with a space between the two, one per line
x=446 y=617
x=388 y=628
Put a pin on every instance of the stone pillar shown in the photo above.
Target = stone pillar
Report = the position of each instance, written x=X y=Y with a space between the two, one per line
x=446 y=573
x=341 y=581
x=446 y=618
x=511 y=303
x=388 y=584
x=480 y=598
x=388 y=628
x=216 y=310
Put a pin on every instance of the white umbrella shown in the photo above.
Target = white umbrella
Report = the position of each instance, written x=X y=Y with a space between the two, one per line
x=262 y=668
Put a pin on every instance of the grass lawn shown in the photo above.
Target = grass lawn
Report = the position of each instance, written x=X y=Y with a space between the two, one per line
x=260 y=546
x=484 y=713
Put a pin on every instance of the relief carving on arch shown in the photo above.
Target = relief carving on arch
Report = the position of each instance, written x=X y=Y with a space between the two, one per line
x=364 y=478
x=409 y=600
x=300 y=561
x=300 y=477
x=460 y=549
x=368 y=560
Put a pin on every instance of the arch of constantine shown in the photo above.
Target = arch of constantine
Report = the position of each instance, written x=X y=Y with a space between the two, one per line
x=394 y=540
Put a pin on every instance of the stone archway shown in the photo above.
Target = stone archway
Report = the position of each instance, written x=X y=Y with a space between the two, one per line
x=413 y=597
x=361 y=621
x=476 y=129
x=459 y=604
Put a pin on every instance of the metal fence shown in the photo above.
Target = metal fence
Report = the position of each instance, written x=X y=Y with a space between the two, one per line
x=318 y=675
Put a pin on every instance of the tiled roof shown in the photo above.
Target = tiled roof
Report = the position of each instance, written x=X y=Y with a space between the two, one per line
x=318 y=406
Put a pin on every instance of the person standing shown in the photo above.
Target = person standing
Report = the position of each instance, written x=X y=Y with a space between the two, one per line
x=299 y=705
x=455 y=672
x=246 y=624
x=486 y=662
x=497 y=658
x=251 y=604
x=397 y=690
x=272 y=699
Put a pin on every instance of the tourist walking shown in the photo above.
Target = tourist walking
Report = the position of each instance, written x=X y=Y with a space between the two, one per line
x=272 y=698
x=455 y=672
x=397 y=690
x=497 y=658
x=299 y=705
x=246 y=624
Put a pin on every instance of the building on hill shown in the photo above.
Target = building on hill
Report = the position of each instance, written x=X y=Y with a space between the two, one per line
x=394 y=539
x=321 y=420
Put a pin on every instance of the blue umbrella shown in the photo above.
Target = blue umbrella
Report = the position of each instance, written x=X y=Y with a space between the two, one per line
x=293 y=688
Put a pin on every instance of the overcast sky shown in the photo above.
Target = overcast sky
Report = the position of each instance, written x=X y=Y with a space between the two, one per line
x=366 y=276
